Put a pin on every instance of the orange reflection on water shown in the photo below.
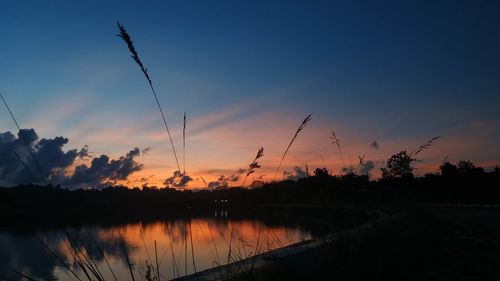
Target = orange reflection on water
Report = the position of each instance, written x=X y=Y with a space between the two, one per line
x=214 y=242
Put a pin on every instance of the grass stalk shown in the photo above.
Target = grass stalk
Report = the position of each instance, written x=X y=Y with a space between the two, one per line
x=21 y=135
x=156 y=260
x=145 y=246
x=426 y=145
x=301 y=127
x=336 y=141
x=103 y=255
x=184 y=143
x=135 y=56
x=57 y=258
x=192 y=246
x=125 y=252
x=254 y=165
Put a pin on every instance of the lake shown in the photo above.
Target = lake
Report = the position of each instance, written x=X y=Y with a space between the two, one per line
x=179 y=246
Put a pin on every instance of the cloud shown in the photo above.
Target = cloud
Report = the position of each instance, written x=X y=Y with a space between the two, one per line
x=296 y=173
x=236 y=176
x=17 y=166
x=222 y=181
x=103 y=171
x=367 y=167
x=177 y=180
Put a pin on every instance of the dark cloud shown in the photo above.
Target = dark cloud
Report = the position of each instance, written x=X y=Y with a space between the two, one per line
x=374 y=144
x=236 y=176
x=348 y=170
x=296 y=173
x=177 y=180
x=222 y=181
x=103 y=171
x=17 y=166
x=367 y=167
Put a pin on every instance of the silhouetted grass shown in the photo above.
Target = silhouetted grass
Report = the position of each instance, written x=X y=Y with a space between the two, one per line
x=135 y=56
x=301 y=127
x=254 y=165
x=43 y=177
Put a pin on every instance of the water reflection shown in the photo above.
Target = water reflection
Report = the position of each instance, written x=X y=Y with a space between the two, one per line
x=178 y=247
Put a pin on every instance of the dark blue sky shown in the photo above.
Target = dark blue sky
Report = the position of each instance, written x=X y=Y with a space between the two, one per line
x=247 y=73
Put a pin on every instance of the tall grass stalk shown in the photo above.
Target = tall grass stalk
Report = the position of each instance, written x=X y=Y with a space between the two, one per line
x=85 y=257
x=184 y=143
x=254 y=165
x=102 y=254
x=135 y=56
x=24 y=165
x=125 y=253
x=21 y=135
x=192 y=247
x=157 y=265
x=301 y=127
x=361 y=162
x=204 y=181
x=58 y=259
x=21 y=274
x=174 y=263
x=426 y=145
x=336 y=141
x=146 y=247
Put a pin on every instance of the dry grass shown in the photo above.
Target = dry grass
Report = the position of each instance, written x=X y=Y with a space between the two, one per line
x=135 y=56
x=254 y=165
x=426 y=145
x=301 y=127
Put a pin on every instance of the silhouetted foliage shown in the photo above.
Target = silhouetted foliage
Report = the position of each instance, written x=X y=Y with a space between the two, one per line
x=399 y=165
x=457 y=183
x=448 y=170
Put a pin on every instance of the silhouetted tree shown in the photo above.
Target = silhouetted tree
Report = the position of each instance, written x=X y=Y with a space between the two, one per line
x=399 y=165
x=448 y=169
x=466 y=167
x=321 y=173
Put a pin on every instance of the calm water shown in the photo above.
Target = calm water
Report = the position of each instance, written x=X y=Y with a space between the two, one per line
x=102 y=245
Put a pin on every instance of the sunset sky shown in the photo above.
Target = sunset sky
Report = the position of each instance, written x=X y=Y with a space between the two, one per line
x=248 y=73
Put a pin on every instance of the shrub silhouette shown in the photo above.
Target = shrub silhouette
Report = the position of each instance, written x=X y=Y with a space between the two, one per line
x=399 y=165
x=448 y=170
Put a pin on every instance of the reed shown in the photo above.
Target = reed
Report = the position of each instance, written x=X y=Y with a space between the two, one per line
x=301 y=127
x=184 y=143
x=361 y=162
x=336 y=141
x=426 y=145
x=192 y=246
x=103 y=255
x=58 y=259
x=254 y=165
x=146 y=248
x=135 y=56
x=125 y=253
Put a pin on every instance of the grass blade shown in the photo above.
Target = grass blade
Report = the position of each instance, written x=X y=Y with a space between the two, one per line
x=135 y=56
x=301 y=127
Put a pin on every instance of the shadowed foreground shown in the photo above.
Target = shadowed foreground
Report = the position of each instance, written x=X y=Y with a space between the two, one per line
x=434 y=243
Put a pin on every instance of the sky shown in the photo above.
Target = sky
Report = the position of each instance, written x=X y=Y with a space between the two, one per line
x=247 y=73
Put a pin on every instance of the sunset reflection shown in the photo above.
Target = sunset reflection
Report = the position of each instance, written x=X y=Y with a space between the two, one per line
x=215 y=242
